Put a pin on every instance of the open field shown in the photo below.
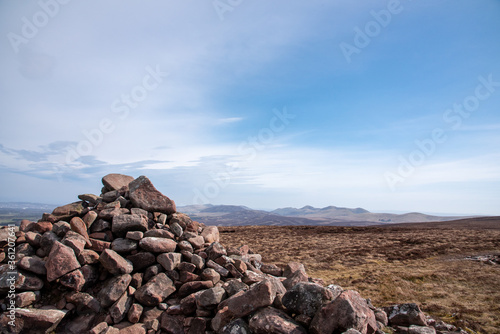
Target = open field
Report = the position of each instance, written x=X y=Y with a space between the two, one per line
x=423 y=263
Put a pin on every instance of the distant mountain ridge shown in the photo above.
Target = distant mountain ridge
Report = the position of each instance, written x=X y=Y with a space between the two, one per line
x=235 y=215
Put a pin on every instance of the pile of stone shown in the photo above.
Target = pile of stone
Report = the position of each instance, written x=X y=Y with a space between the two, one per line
x=127 y=262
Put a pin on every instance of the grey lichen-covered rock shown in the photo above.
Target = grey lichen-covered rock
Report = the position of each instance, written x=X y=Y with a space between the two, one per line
x=306 y=298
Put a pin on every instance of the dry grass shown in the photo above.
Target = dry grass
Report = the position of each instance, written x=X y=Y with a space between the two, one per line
x=394 y=264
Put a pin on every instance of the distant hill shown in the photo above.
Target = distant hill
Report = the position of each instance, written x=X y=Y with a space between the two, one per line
x=233 y=215
x=239 y=215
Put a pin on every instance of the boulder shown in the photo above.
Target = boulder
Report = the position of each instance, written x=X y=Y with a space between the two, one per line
x=155 y=291
x=157 y=245
x=306 y=298
x=123 y=223
x=405 y=315
x=116 y=181
x=113 y=289
x=35 y=321
x=115 y=263
x=271 y=320
x=145 y=196
x=243 y=303
x=349 y=310
x=61 y=260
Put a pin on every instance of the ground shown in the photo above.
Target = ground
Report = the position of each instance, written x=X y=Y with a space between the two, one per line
x=423 y=263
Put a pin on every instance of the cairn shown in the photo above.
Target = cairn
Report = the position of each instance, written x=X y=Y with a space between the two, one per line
x=127 y=262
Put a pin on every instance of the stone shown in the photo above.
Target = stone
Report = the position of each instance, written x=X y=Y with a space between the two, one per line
x=41 y=227
x=113 y=289
x=121 y=245
x=185 y=246
x=90 y=198
x=134 y=235
x=100 y=225
x=99 y=328
x=116 y=181
x=218 y=268
x=405 y=315
x=271 y=320
x=191 y=287
x=215 y=250
x=134 y=329
x=294 y=278
x=198 y=325
x=243 y=303
x=169 y=261
x=38 y=320
x=73 y=280
x=238 y=326
x=128 y=222
x=118 y=311
x=75 y=241
x=292 y=267
x=306 y=298
x=186 y=266
x=99 y=245
x=159 y=233
x=110 y=197
x=172 y=324
x=89 y=218
x=33 y=238
x=209 y=299
x=234 y=286
x=142 y=260
x=182 y=219
x=27 y=298
x=33 y=264
x=209 y=274
x=197 y=242
x=69 y=211
x=210 y=234
x=61 y=260
x=271 y=269
x=349 y=310
x=155 y=291
x=145 y=196
x=252 y=277
x=134 y=313
x=157 y=245
x=88 y=256
x=111 y=213
x=84 y=302
x=61 y=228
x=115 y=263
x=421 y=330
x=176 y=229
x=198 y=261
x=80 y=227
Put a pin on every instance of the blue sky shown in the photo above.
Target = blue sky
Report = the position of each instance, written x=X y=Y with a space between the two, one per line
x=385 y=105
